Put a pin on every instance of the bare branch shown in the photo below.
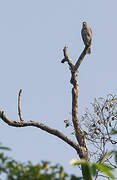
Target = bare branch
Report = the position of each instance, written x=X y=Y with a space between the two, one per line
x=41 y=126
x=19 y=105
x=80 y=59
x=67 y=59
x=75 y=91
x=75 y=67
x=81 y=147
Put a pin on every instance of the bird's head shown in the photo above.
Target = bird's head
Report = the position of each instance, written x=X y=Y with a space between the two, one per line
x=84 y=24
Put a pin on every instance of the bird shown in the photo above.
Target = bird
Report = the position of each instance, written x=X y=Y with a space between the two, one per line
x=86 y=33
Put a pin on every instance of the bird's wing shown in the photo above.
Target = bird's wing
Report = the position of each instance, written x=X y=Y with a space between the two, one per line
x=90 y=32
x=84 y=34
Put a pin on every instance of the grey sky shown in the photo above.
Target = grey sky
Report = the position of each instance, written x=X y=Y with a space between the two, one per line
x=32 y=37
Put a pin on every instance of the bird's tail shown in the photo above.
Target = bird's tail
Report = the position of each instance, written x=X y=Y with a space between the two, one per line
x=89 y=50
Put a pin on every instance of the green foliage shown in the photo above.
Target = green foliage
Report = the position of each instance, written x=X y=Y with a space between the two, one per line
x=42 y=171
x=3 y=160
x=14 y=170
x=92 y=169
x=113 y=131
x=4 y=148
x=105 y=169
x=76 y=178
x=85 y=166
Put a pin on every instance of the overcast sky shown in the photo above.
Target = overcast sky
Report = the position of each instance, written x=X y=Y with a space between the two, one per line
x=32 y=37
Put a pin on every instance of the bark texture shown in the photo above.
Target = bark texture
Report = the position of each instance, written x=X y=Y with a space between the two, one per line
x=75 y=92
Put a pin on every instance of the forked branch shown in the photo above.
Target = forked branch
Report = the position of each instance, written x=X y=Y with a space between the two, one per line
x=80 y=147
x=75 y=91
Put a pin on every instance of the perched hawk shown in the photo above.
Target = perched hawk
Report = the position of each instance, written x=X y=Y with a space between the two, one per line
x=86 y=33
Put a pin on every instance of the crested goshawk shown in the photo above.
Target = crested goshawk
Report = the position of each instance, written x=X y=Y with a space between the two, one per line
x=86 y=33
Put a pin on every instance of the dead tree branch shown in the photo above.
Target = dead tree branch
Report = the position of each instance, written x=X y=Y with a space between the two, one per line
x=74 y=81
x=80 y=146
x=19 y=105
x=75 y=91
x=80 y=59
x=41 y=126
x=67 y=59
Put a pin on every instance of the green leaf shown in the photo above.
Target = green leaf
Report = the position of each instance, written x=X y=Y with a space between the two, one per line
x=116 y=156
x=87 y=173
x=115 y=153
x=113 y=131
x=105 y=169
x=86 y=168
x=102 y=160
x=5 y=148
x=76 y=178
x=93 y=169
